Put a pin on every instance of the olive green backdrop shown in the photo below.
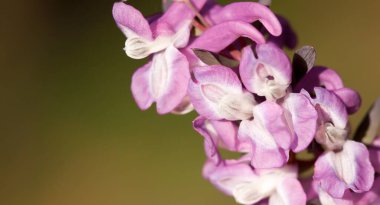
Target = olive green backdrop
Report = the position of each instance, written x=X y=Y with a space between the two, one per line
x=70 y=132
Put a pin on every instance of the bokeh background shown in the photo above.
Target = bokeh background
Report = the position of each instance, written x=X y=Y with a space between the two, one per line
x=70 y=132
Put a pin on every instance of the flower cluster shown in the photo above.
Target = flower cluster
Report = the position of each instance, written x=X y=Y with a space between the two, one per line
x=283 y=117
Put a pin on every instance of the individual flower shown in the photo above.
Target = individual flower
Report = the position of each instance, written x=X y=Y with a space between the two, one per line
x=217 y=93
x=143 y=39
x=267 y=74
x=333 y=125
x=164 y=79
x=349 y=168
x=276 y=129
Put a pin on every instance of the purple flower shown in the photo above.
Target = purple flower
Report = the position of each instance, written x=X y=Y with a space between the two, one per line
x=217 y=93
x=268 y=74
x=277 y=129
x=164 y=79
x=349 y=168
x=247 y=12
x=143 y=38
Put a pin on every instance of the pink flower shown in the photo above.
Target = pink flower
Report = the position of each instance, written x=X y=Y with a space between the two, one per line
x=276 y=129
x=248 y=186
x=164 y=79
x=269 y=74
x=217 y=93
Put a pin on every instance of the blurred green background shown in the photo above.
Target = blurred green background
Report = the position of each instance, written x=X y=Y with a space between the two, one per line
x=70 y=132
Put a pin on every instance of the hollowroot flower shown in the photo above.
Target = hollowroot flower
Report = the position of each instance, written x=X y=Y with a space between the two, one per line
x=228 y=64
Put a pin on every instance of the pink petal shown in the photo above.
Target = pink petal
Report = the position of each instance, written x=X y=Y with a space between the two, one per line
x=332 y=106
x=210 y=139
x=349 y=168
x=303 y=118
x=324 y=175
x=176 y=82
x=130 y=20
x=177 y=14
x=269 y=135
x=268 y=75
x=184 y=107
x=320 y=77
x=249 y=12
x=270 y=116
x=227 y=134
x=368 y=198
x=216 y=93
x=289 y=192
x=220 y=36
x=140 y=87
x=227 y=177
x=217 y=133
x=350 y=98
x=364 y=170
x=325 y=198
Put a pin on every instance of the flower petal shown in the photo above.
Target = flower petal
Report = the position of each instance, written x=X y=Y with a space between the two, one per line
x=203 y=127
x=368 y=198
x=320 y=77
x=288 y=192
x=227 y=134
x=326 y=199
x=249 y=12
x=228 y=177
x=265 y=152
x=350 y=98
x=303 y=119
x=141 y=87
x=216 y=93
x=217 y=133
x=174 y=82
x=270 y=116
x=268 y=75
x=173 y=18
x=326 y=177
x=332 y=106
x=349 y=168
x=131 y=21
x=269 y=135
x=184 y=107
x=220 y=36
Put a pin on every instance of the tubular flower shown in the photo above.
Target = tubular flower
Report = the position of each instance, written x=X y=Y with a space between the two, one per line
x=164 y=79
x=282 y=116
